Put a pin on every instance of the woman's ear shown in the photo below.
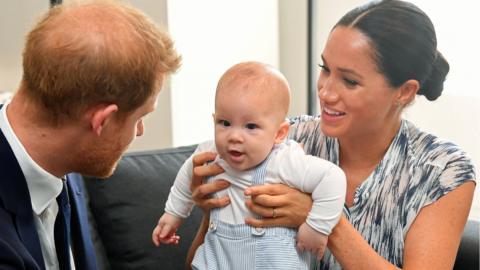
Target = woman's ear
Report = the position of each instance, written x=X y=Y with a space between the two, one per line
x=282 y=132
x=407 y=92
x=100 y=115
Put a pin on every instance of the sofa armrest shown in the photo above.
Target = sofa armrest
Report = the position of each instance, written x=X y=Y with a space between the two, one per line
x=468 y=252
x=127 y=205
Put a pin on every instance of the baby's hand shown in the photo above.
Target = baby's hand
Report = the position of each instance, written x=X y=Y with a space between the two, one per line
x=310 y=240
x=165 y=230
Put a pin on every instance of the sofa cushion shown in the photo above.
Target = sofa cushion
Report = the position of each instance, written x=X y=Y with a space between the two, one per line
x=127 y=205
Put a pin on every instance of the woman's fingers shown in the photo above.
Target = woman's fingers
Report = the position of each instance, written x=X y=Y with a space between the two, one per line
x=291 y=205
x=208 y=204
x=204 y=190
x=270 y=200
x=202 y=170
x=201 y=191
x=201 y=195
x=272 y=189
x=269 y=222
x=264 y=211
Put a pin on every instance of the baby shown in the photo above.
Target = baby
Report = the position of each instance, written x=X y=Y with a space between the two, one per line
x=251 y=105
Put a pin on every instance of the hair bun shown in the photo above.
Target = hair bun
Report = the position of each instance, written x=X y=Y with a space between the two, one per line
x=432 y=87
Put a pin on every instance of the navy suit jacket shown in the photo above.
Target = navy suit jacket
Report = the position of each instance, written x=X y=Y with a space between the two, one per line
x=19 y=242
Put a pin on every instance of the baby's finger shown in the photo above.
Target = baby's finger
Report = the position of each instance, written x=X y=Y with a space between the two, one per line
x=155 y=234
x=320 y=253
x=300 y=247
x=165 y=231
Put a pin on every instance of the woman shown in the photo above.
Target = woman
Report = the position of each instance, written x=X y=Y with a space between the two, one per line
x=408 y=192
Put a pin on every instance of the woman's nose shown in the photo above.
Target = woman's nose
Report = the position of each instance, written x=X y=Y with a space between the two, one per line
x=326 y=91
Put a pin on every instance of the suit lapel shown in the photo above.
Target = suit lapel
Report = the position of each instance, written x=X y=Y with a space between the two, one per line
x=16 y=199
x=82 y=242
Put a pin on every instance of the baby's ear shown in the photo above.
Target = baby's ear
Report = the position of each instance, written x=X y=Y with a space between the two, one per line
x=282 y=132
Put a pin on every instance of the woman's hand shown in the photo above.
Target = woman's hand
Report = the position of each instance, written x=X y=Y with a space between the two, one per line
x=279 y=205
x=200 y=191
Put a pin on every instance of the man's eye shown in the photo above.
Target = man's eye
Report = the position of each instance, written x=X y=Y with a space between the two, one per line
x=224 y=123
x=251 y=126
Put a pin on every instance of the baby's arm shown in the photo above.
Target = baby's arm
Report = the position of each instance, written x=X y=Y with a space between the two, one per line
x=326 y=182
x=178 y=206
x=179 y=203
x=165 y=230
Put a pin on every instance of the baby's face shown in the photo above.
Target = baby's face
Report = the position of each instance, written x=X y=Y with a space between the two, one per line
x=245 y=128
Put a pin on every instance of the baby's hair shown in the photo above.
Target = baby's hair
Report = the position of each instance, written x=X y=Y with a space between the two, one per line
x=256 y=78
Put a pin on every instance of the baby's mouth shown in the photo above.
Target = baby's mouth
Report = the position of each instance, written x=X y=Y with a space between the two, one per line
x=235 y=155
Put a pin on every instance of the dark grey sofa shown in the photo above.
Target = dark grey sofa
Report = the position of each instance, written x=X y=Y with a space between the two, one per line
x=126 y=207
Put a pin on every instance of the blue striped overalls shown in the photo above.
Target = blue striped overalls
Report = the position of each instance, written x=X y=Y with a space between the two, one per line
x=242 y=247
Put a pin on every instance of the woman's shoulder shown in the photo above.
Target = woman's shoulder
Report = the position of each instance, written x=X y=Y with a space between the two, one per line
x=304 y=125
x=429 y=149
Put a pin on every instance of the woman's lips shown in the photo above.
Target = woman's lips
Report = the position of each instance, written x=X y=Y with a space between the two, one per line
x=331 y=115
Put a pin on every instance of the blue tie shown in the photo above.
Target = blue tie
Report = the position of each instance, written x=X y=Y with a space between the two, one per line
x=62 y=229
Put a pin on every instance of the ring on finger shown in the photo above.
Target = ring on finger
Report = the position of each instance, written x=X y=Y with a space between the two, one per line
x=274 y=213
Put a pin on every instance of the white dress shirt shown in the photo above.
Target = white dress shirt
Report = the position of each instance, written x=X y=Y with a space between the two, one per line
x=43 y=188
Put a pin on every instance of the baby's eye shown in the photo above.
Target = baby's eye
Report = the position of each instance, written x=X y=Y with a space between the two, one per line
x=251 y=126
x=224 y=123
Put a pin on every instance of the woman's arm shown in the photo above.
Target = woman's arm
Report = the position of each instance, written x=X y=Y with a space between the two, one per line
x=431 y=243
x=201 y=196
x=197 y=241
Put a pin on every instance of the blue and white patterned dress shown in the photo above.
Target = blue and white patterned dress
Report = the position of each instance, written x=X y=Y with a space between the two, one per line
x=417 y=169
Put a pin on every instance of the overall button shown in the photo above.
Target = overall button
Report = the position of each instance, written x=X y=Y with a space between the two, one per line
x=258 y=231
x=212 y=226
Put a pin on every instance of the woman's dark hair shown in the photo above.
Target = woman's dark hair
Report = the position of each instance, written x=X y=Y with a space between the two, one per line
x=404 y=42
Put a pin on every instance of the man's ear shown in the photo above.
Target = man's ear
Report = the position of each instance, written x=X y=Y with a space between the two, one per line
x=100 y=116
x=282 y=132
x=407 y=92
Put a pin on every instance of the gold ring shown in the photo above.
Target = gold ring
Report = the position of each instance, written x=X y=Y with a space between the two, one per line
x=274 y=215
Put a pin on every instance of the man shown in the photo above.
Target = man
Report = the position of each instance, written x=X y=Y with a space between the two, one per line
x=91 y=72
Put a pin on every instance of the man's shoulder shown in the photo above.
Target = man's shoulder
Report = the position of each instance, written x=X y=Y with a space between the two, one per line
x=13 y=252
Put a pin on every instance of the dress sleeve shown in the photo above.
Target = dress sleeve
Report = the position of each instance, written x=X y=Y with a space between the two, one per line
x=458 y=169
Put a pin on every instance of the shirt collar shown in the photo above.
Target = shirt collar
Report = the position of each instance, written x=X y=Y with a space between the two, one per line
x=42 y=186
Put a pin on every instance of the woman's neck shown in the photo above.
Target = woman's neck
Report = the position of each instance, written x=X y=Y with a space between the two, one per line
x=367 y=150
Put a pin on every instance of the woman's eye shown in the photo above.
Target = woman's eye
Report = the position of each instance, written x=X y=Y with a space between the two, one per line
x=350 y=82
x=224 y=123
x=251 y=126
x=324 y=68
